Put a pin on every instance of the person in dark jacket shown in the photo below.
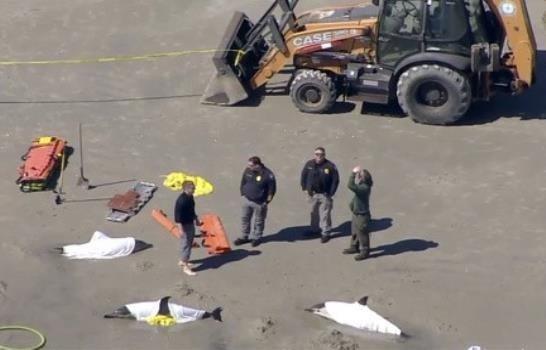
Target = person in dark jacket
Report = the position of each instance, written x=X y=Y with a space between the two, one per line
x=258 y=187
x=320 y=179
x=360 y=182
x=186 y=218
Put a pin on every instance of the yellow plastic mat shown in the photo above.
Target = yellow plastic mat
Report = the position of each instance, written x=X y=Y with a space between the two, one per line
x=175 y=179
x=161 y=320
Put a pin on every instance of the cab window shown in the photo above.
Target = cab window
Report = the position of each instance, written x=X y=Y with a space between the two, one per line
x=402 y=17
x=446 y=20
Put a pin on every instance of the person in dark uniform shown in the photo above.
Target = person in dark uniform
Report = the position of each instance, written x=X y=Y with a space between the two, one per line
x=185 y=217
x=258 y=187
x=320 y=179
x=360 y=182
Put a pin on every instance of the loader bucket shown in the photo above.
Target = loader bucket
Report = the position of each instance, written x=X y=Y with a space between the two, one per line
x=229 y=83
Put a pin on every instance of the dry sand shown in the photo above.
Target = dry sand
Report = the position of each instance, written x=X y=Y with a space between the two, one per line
x=460 y=225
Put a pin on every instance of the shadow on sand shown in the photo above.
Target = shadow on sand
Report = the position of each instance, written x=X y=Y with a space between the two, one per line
x=216 y=261
x=400 y=247
x=301 y=233
x=91 y=187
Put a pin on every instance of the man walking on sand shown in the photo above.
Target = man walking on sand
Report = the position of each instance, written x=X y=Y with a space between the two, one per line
x=320 y=179
x=185 y=217
x=360 y=183
x=258 y=187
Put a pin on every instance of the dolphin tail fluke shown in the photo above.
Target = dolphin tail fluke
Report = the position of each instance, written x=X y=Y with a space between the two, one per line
x=216 y=314
x=363 y=301
x=140 y=246
x=164 y=306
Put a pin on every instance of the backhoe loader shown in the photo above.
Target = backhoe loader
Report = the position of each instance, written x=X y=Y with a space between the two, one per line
x=432 y=57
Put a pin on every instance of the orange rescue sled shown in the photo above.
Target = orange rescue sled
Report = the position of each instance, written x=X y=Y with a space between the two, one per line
x=214 y=234
x=164 y=221
x=41 y=161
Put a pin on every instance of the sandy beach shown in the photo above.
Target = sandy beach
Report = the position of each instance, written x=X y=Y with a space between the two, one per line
x=459 y=231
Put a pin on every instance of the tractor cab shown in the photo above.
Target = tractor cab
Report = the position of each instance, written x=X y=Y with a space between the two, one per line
x=409 y=27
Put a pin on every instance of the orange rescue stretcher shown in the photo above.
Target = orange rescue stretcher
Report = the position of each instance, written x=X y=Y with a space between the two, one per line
x=42 y=160
x=213 y=232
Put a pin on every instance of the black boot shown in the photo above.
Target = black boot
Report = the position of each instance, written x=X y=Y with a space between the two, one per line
x=364 y=253
x=351 y=250
x=241 y=240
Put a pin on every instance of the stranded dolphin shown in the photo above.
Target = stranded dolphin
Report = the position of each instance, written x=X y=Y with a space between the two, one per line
x=357 y=315
x=146 y=311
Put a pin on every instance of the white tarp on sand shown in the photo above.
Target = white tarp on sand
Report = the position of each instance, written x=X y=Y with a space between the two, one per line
x=100 y=247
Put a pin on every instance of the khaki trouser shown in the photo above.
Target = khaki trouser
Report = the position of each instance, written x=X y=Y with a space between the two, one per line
x=321 y=213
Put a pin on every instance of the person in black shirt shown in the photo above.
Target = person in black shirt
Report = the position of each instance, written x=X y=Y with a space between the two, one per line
x=320 y=179
x=185 y=217
x=258 y=186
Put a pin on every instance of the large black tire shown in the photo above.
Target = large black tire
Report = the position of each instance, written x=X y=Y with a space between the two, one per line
x=433 y=94
x=313 y=91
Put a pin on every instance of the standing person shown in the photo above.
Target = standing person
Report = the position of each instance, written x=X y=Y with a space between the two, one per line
x=360 y=182
x=258 y=187
x=185 y=217
x=320 y=179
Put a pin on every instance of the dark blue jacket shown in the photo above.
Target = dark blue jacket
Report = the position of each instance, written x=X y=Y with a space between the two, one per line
x=258 y=185
x=319 y=178
x=184 y=209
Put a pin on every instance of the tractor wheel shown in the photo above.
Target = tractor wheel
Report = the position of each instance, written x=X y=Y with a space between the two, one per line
x=433 y=94
x=313 y=91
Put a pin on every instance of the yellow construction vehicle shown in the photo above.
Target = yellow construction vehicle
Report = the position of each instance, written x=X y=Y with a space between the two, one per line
x=432 y=57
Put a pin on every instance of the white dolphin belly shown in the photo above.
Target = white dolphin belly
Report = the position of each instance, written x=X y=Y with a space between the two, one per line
x=358 y=316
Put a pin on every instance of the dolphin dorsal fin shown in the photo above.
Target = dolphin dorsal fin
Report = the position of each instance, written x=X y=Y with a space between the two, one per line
x=363 y=301
x=164 y=306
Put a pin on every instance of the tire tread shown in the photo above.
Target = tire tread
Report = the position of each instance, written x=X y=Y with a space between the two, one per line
x=318 y=77
x=421 y=72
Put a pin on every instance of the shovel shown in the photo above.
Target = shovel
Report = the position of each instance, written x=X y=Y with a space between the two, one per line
x=59 y=191
x=82 y=180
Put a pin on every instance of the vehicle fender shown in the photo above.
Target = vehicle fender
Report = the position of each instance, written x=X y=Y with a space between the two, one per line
x=460 y=63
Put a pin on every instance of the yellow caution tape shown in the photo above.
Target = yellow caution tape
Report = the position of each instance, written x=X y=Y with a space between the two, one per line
x=175 y=179
x=152 y=56
x=161 y=320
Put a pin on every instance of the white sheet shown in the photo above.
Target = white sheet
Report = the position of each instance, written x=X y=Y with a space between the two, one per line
x=100 y=247
x=181 y=314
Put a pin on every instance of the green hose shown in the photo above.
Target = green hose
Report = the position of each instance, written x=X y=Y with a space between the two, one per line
x=25 y=329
